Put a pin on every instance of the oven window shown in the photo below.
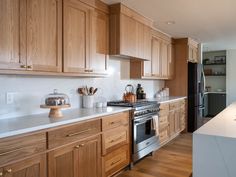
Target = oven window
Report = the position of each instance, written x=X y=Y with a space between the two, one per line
x=144 y=131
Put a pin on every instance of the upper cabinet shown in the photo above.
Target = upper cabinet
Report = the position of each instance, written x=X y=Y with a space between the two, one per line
x=192 y=51
x=52 y=36
x=85 y=38
x=31 y=35
x=161 y=64
x=130 y=33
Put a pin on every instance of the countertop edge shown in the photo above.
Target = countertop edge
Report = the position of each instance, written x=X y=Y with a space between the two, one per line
x=57 y=124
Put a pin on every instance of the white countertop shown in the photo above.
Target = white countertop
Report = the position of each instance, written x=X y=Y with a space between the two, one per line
x=167 y=99
x=26 y=124
x=224 y=124
x=215 y=92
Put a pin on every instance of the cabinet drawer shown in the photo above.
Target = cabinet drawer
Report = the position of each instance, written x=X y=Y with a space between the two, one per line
x=174 y=105
x=115 y=120
x=114 y=139
x=164 y=135
x=163 y=121
x=164 y=106
x=73 y=133
x=20 y=147
x=116 y=160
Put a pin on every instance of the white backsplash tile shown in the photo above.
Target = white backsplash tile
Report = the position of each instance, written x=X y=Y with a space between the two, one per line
x=30 y=90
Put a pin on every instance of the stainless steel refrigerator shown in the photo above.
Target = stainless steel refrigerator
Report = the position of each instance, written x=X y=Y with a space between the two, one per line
x=196 y=87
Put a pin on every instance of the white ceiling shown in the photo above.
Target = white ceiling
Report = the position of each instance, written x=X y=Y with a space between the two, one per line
x=212 y=22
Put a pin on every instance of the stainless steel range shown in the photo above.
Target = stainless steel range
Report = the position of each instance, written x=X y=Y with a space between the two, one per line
x=145 y=138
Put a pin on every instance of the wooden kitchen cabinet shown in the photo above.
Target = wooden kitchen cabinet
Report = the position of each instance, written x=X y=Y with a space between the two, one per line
x=32 y=167
x=31 y=33
x=44 y=31
x=161 y=65
x=85 y=38
x=12 y=53
x=80 y=159
x=172 y=120
x=100 y=42
x=77 y=17
x=130 y=33
x=182 y=55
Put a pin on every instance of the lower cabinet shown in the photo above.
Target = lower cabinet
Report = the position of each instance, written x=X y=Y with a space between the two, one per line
x=80 y=159
x=172 y=120
x=32 y=167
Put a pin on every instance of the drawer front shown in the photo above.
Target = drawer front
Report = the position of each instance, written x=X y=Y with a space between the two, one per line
x=164 y=107
x=163 y=122
x=20 y=147
x=182 y=103
x=164 y=135
x=73 y=133
x=114 y=139
x=174 y=105
x=115 y=120
x=115 y=161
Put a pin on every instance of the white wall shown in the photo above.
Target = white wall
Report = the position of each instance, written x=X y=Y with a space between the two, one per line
x=231 y=76
x=31 y=89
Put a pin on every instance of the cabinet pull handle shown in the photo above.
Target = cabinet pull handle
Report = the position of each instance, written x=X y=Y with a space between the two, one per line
x=23 y=66
x=9 y=152
x=78 y=133
x=87 y=70
x=79 y=146
x=9 y=170
x=29 y=67
x=117 y=122
x=91 y=70
x=113 y=163
x=114 y=140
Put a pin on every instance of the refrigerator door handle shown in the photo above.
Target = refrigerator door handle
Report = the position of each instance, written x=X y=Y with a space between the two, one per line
x=204 y=80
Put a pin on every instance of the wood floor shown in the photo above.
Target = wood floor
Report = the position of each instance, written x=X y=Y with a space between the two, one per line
x=172 y=160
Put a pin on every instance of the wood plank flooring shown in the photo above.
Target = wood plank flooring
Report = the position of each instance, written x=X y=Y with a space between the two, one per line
x=172 y=160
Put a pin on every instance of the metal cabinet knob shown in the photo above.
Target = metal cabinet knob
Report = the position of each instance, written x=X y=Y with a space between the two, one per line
x=23 y=66
x=29 y=67
x=9 y=170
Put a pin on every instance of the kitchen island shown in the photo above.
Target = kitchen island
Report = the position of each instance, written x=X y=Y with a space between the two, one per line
x=214 y=145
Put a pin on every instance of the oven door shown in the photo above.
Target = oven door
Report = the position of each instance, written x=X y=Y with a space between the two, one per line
x=143 y=133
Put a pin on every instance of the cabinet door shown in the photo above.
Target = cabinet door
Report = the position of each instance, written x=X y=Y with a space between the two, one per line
x=100 y=42
x=156 y=61
x=171 y=64
x=147 y=68
x=177 y=121
x=79 y=159
x=195 y=55
x=164 y=59
x=1 y=172
x=33 y=167
x=147 y=43
x=44 y=26
x=172 y=122
x=12 y=46
x=128 y=36
x=76 y=29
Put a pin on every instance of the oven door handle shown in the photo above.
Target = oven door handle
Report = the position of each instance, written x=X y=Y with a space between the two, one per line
x=141 y=121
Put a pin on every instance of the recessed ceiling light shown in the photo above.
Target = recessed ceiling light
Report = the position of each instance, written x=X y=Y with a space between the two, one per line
x=170 y=22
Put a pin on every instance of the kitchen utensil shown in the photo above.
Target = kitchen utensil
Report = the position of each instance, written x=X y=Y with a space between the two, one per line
x=95 y=90
x=91 y=90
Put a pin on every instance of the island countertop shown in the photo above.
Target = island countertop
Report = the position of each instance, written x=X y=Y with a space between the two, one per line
x=20 y=125
x=224 y=124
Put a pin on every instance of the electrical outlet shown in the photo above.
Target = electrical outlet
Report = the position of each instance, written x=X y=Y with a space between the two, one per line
x=10 y=97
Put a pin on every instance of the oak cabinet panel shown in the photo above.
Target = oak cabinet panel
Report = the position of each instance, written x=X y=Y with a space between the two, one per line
x=130 y=33
x=128 y=36
x=44 y=35
x=12 y=47
x=156 y=58
x=76 y=36
x=164 y=59
x=79 y=159
x=33 y=167
x=100 y=42
x=31 y=31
